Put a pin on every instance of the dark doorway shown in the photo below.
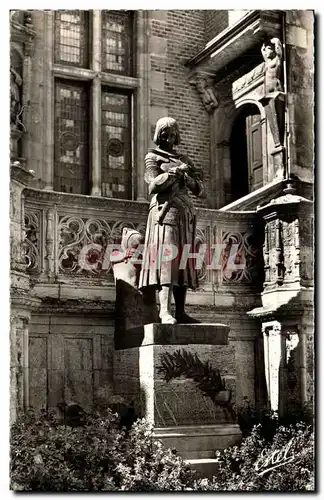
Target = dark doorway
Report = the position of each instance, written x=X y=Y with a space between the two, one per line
x=246 y=153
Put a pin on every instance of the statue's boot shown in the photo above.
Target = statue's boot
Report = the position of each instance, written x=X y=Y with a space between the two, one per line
x=179 y=293
x=165 y=295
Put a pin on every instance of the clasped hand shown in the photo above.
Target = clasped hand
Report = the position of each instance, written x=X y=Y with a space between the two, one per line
x=179 y=170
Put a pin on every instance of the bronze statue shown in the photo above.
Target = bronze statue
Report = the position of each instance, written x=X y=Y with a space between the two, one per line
x=171 y=221
x=272 y=55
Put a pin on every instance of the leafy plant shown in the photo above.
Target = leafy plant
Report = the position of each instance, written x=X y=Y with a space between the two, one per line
x=259 y=465
x=97 y=456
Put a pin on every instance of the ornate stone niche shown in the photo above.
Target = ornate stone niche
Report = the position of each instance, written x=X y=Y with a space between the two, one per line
x=205 y=87
x=243 y=66
x=288 y=241
x=21 y=39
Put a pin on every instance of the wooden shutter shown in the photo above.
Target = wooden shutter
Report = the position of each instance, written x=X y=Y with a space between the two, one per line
x=254 y=151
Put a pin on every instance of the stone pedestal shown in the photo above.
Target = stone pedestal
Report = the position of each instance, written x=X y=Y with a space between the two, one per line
x=185 y=417
x=287 y=302
x=21 y=299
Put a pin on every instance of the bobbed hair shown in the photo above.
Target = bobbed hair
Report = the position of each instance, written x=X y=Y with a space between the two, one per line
x=161 y=125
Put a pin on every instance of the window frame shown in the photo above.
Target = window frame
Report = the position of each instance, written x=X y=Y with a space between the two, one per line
x=97 y=79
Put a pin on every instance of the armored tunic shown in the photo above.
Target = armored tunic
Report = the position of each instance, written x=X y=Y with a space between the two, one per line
x=178 y=226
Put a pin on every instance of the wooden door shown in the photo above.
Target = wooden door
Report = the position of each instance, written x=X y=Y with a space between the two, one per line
x=66 y=367
x=73 y=363
x=254 y=151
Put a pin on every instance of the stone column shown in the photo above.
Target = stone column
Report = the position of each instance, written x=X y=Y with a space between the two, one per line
x=284 y=367
x=19 y=363
x=49 y=115
x=142 y=102
x=96 y=106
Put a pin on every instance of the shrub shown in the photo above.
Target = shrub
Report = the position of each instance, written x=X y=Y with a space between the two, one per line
x=49 y=456
x=247 y=417
x=243 y=467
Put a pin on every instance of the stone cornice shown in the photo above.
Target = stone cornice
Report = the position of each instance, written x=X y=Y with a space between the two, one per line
x=283 y=303
x=51 y=198
x=23 y=300
x=77 y=306
x=251 y=200
x=248 y=81
x=237 y=39
x=71 y=202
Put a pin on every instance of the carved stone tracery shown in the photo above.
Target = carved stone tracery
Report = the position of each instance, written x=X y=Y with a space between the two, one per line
x=83 y=244
x=31 y=244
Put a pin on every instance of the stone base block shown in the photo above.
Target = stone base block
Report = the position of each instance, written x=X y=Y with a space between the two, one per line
x=167 y=397
x=199 y=442
x=160 y=334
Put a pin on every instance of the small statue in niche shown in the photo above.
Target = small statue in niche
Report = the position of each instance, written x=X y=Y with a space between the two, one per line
x=15 y=99
x=171 y=221
x=274 y=97
x=272 y=54
x=207 y=94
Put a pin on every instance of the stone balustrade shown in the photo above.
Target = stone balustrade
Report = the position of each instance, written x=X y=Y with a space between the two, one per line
x=64 y=231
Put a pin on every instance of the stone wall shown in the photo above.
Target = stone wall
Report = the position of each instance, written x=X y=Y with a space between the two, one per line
x=36 y=113
x=300 y=86
x=70 y=358
x=219 y=20
x=216 y=22
x=175 y=36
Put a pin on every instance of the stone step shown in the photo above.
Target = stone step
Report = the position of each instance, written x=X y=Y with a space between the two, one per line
x=199 y=441
x=203 y=467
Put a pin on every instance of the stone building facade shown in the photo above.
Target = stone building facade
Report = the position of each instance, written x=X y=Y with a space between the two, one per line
x=86 y=90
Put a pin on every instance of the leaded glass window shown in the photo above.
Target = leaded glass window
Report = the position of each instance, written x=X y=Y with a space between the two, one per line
x=72 y=37
x=71 y=138
x=116 y=164
x=117 y=41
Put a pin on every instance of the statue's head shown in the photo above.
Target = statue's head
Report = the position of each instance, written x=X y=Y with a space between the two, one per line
x=268 y=50
x=167 y=133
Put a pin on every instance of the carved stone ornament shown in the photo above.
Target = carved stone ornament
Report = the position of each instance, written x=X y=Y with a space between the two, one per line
x=272 y=54
x=15 y=97
x=207 y=93
x=274 y=99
